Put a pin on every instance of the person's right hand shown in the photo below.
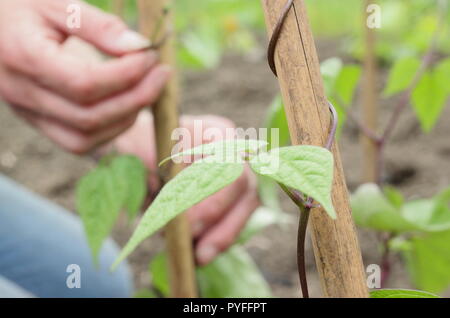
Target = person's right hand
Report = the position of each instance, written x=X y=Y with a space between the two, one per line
x=76 y=103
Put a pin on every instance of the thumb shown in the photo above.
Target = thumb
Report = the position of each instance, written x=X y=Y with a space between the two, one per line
x=103 y=30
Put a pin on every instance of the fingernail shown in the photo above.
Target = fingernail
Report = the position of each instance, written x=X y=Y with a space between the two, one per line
x=206 y=254
x=132 y=41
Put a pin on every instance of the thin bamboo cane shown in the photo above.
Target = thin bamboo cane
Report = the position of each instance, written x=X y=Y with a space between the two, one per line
x=369 y=148
x=155 y=19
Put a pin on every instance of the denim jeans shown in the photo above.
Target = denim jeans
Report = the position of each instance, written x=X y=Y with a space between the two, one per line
x=39 y=242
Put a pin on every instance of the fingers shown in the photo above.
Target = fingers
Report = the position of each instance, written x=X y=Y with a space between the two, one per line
x=73 y=140
x=35 y=48
x=21 y=91
x=106 y=31
x=72 y=77
x=208 y=212
x=222 y=235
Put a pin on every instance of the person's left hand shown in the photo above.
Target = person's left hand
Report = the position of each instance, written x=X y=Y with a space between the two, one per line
x=217 y=221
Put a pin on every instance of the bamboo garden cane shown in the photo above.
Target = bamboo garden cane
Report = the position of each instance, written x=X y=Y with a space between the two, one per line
x=335 y=243
x=155 y=19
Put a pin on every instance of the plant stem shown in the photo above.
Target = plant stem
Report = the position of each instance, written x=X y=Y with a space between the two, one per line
x=294 y=196
x=370 y=102
x=301 y=257
x=301 y=237
x=426 y=61
x=179 y=247
x=381 y=142
x=365 y=130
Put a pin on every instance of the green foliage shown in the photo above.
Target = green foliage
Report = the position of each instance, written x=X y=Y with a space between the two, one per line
x=200 y=49
x=105 y=5
x=132 y=176
x=231 y=275
x=394 y=196
x=308 y=169
x=117 y=183
x=373 y=210
x=340 y=83
x=400 y=293
x=406 y=30
x=323 y=17
x=428 y=260
x=276 y=119
x=346 y=82
x=401 y=75
x=422 y=229
x=431 y=94
x=160 y=276
x=208 y=28
x=98 y=203
x=262 y=218
x=388 y=212
x=189 y=187
x=430 y=215
x=231 y=149
x=145 y=293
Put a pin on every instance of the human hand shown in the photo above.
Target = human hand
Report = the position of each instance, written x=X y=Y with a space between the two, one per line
x=76 y=102
x=217 y=221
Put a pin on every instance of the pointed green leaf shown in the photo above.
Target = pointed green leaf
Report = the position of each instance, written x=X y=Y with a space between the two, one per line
x=401 y=75
x=371 y=209
x=431 y=94
x=98 y=200
x=132 y=175
x=401 y=293
x=428 y=261
x=308 y=169
x=231 y=148
x=346 y=83
x=189 y=187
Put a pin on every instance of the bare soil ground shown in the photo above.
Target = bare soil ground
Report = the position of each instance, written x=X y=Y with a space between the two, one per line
x=241 y=89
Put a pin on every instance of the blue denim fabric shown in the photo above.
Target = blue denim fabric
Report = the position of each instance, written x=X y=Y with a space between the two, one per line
x=39 y=240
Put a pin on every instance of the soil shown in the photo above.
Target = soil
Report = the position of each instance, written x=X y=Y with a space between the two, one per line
x=241 y=89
